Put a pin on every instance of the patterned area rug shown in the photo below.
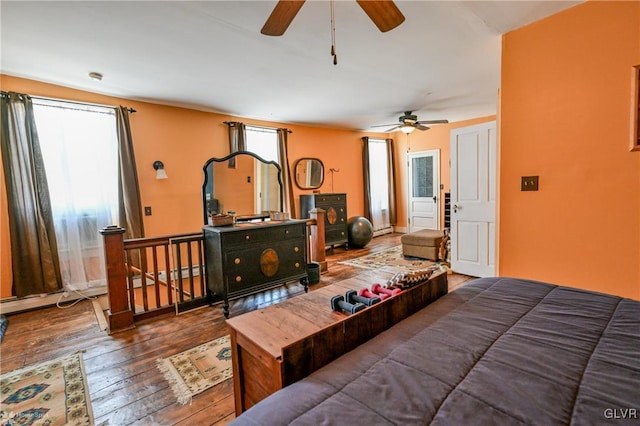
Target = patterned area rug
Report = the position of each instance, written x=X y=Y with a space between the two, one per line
x=198 y=369
x=390 y=260
x=50 y=393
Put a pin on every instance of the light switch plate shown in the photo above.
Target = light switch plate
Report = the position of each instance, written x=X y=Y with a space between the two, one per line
x=529 y=183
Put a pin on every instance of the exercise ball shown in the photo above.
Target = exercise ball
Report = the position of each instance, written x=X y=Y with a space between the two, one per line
x=360 y=231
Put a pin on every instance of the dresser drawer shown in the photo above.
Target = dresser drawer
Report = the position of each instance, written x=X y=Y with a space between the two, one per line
x=267 y=233
x=263 y=263
x=330 y=199
x=335 y=235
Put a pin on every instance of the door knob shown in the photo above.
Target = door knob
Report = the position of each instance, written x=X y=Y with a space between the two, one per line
x=456 y=207
x=435 y=198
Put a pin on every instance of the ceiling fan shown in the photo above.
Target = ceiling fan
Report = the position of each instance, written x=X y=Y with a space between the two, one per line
x=385 y=14
x=409 y=122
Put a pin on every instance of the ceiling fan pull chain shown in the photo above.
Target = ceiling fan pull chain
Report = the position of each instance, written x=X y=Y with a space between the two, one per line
x=333 y=35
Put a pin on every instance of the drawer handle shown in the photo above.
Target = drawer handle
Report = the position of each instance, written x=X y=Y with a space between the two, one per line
x=237 y=260
x=342 y=219
x=342 y=233
x=238 y=278
x=246 y=237
x=286 y=231
x=296 y=249
x=297 y=265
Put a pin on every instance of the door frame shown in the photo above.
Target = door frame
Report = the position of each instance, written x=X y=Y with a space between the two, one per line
x=435 y=153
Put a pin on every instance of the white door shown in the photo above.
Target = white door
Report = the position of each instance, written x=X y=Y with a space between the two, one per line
x=473 y=200
x=424 y=190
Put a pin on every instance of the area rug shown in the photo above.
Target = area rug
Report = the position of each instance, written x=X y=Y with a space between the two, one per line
x=51 y=393
x=198 y=369
x=390 y=260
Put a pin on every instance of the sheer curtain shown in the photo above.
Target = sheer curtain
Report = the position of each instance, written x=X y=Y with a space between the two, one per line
x=79 y=146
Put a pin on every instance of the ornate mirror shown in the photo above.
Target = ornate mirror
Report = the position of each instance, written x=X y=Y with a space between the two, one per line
x=309 y=173
x=243 y=183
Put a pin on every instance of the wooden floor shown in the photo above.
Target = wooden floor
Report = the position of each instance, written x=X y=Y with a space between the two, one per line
x=125 y=385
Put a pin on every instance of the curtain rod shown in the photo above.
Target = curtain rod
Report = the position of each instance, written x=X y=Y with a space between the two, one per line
x=230 y=123
x=44 y=98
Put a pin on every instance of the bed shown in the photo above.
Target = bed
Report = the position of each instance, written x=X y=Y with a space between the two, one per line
x=496 y=351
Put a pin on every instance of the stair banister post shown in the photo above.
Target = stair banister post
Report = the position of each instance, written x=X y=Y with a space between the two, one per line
x=119 y=314
x=317 y=238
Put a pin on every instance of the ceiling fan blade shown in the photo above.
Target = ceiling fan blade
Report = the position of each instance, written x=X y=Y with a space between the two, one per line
x=281 y=17
x=384 y=125
x=421 y=127
x=432 y=121
x=385 y=14
x=393 y=129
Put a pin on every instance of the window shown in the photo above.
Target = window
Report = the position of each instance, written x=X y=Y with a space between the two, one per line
x=80 y=153
x=379 y=185
x=263 y=142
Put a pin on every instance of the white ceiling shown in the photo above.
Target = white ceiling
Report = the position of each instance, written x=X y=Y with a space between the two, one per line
x=442 y=62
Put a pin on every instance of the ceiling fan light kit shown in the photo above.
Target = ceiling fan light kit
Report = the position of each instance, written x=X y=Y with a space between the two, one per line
x=407 y=128
x=409 y=122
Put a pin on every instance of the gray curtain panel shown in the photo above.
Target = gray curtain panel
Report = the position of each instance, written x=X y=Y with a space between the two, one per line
x=34 y=251
x=237 y=139
x=130 y=209
x=366 y=178
x=287 y=183
x=393 y=219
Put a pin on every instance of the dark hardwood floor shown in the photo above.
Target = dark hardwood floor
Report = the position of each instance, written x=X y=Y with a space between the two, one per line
x=125 y=385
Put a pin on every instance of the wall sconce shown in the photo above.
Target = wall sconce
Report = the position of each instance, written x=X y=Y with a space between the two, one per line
x=160 y=173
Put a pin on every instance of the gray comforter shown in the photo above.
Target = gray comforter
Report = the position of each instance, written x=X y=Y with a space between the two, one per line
x=496 y=351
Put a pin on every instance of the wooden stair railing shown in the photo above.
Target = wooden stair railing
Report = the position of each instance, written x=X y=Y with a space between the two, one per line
x=136 y=293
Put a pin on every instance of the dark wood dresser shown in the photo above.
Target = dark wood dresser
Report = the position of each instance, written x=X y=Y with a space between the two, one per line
x=249 y=257
x=335 y=206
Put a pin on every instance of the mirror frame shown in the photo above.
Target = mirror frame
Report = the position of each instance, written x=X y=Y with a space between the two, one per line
x=295 y=166
x=227 y=158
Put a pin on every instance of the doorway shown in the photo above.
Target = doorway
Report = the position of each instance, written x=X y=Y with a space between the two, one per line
x=423 y=169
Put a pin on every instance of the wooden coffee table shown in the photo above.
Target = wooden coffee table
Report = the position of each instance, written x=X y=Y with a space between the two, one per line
x=281 y=344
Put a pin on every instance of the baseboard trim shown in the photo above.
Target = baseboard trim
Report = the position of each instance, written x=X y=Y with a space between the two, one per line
x=14 y=305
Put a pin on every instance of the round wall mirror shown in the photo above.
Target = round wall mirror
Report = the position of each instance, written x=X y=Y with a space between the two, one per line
x=309 y=173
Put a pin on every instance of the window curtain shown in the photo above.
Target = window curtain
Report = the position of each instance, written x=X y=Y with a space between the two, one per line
x=391 y=169
x=34 y=250
x=287 y=185
x=237 y=139
x=129 y=200
x=366 y=177
x=379 y=190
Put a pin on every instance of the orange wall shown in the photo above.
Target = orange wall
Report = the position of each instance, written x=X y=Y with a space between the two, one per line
x=438 y=137
x=565 y=116
x=184 y=139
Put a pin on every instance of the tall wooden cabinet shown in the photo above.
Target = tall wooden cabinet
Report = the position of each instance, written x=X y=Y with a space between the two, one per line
x=249 y=257
x=335 y=206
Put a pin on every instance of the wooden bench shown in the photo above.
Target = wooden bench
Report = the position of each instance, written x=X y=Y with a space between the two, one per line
x=281 y=344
